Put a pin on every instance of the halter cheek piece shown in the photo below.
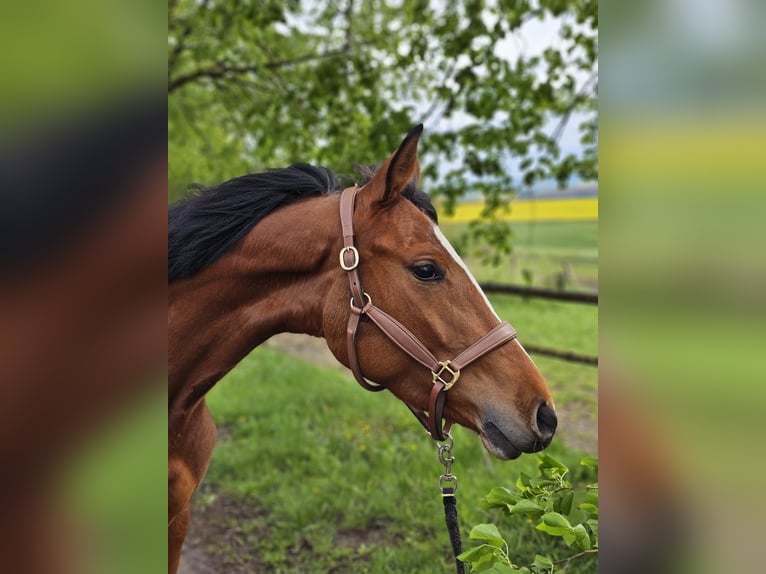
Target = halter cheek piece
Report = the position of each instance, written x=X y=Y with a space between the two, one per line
x=444 y=374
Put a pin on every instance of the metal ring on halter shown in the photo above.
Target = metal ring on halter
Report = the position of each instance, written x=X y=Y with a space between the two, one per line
x=369 y=302
x=355 y=264
x=448 y=440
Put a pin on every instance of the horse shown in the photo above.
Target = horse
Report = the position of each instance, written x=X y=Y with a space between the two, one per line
x=367 y=269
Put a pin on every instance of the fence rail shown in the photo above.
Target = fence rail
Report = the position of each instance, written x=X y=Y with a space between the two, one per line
x=541 y=293
x=556 y=295
x=570 y=356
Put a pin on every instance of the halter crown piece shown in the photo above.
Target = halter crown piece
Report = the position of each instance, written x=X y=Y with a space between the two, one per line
x=444 y=374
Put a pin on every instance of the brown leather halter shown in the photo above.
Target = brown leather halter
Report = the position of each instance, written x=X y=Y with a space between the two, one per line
x=444 y=374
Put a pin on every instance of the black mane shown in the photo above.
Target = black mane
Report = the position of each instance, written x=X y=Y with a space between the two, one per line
x=204 y=226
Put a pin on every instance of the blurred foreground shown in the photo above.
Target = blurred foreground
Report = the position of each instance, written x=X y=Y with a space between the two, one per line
x=83 y=187
x=82 y=313
x=682 y=281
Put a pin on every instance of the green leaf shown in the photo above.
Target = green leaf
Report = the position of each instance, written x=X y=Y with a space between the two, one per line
x=540 y=482
x=525 y=506
x=476 y=554
x=491 y=563
x=589 y=508
x=555 y=519
x=566 y=502
x=581 y=537
x=543 y=562
x=589 y=461
x=554 y=524
x=547 y=461
x=500 y=496
x=488 y=532
x=593 y=525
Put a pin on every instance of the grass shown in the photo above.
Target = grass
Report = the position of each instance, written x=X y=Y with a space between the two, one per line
x=545 y=253
x=555 y=324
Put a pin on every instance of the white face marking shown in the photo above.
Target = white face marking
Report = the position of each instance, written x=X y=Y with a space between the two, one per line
x=522 y=348
x=451 y=250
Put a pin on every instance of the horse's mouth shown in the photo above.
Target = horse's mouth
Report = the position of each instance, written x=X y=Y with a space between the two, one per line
x=497 y=443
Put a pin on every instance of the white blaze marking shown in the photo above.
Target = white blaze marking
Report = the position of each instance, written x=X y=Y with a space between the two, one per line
x=522 y=348
x=451 y=250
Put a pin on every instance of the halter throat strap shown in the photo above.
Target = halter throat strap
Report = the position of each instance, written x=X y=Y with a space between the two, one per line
x=444 y=374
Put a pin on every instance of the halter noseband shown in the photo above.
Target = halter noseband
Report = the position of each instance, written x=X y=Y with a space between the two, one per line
x=444 y=374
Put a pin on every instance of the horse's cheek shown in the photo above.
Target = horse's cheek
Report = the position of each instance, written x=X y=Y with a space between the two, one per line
x=334 y=320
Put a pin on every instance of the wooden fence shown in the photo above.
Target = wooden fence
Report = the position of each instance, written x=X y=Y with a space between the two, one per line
x=553 y=294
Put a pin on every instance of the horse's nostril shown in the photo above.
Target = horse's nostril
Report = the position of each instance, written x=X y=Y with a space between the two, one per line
x=546 y=421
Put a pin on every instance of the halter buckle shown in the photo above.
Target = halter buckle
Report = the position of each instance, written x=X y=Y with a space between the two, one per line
x=349 y=249
x=437 y=375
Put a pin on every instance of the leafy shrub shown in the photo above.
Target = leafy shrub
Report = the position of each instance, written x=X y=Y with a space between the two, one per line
x=550 y=503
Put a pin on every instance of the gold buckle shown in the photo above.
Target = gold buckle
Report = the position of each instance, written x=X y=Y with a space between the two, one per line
x=355 y=263
x=437 y=376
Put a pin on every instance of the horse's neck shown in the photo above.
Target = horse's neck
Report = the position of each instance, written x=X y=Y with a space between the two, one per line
x=274 y=280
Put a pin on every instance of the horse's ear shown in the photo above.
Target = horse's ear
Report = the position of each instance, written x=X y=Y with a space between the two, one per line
x=402 y=166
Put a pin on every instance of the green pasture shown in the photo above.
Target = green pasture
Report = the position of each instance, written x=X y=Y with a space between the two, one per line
x=337 y=479
x=545 y=254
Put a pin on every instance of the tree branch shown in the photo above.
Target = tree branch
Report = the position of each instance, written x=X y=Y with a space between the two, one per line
x=579 y=97
x=578 y=555
x=349 y=13
x=183 y=36
x=171 y=10
x=223 y=69
x=437 y=101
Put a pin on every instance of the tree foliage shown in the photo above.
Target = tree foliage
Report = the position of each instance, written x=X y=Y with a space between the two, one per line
x=263 y=83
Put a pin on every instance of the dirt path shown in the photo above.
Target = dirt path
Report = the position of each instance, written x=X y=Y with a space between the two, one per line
x=217 y=542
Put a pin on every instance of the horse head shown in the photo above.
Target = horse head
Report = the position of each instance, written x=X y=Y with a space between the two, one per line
x=409 y=270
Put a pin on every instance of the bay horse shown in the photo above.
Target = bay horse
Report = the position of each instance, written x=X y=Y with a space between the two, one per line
x=284 y=251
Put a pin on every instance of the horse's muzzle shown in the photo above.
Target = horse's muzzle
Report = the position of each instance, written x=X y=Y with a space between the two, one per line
x=507 y=442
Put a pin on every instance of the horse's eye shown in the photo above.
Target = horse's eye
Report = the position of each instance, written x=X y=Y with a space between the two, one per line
x=427 y=272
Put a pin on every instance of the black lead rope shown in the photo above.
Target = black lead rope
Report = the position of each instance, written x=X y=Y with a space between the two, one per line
x=450 y=514
x=448 y=486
